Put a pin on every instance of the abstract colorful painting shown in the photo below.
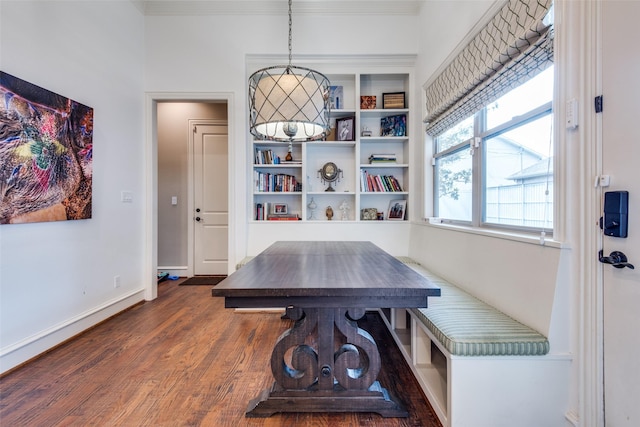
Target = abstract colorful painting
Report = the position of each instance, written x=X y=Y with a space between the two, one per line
x=46 y=154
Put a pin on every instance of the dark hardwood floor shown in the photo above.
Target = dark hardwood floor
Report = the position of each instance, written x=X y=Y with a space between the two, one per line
x=176 y=361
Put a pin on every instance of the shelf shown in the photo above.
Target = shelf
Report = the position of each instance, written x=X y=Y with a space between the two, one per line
x=342 y=113
x=279 y=193
x=267 y=143
x=382 y=193
x=330 y=144
x=330 y=193
x=383 y=139
x=432 y=375
x=268 y=221
x=384 y=165
x=333 y=221
x=380 y=112
x=351 y=157
x=277 y=166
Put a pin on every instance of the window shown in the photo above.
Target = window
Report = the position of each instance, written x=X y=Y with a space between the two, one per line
x=489 y=112
x=453 y=172
x=500 y=159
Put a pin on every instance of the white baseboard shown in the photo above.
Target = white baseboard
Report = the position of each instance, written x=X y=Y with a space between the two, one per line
x=572 y=418
x=26 y=349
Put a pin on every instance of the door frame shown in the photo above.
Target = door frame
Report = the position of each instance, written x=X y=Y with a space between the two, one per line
x=150 y=212
x=191 y=261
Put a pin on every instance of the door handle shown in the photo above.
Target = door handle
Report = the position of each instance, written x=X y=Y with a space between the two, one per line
x=198 y=219
x=615 y=258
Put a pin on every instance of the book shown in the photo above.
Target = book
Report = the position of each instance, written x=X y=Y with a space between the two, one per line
x=382 y=158
x=378 y=183
x=287 y=217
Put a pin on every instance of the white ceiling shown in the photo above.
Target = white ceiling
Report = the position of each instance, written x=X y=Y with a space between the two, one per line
x=270 y=7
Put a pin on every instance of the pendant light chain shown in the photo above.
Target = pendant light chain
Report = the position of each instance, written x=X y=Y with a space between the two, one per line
x=290 y=33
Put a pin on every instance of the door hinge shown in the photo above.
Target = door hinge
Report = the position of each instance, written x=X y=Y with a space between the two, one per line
x=597 y=103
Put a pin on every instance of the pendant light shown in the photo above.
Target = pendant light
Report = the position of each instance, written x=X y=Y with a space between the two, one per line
x=288 y=103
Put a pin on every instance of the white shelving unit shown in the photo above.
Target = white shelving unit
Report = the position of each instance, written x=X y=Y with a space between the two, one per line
x=351 y=157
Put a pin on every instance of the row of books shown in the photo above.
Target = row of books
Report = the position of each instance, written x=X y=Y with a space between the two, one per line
x=378 y=183
x=280 y=182
x=266 y=157
x=382 y=158
x=263 y=212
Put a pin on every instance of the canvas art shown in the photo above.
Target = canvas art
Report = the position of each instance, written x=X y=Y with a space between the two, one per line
x=46 y=154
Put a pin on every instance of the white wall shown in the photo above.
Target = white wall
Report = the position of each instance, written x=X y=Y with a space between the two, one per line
x=57 y=278
x=209 y=53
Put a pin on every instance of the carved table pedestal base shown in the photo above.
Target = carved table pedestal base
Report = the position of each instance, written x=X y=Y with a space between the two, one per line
x=340 y=376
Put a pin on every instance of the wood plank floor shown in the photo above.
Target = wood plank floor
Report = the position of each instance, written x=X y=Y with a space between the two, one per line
x=181 y=360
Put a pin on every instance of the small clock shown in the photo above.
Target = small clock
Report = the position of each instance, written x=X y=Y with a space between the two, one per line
x=329 y=173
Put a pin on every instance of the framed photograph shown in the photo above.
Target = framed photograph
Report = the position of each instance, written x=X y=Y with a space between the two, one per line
x=393 y=125
x=367 y=102
x=345 y=128
x=369 y=214
x=393 y=100
x=336 y=97
x=279 y=209
x=397 y=210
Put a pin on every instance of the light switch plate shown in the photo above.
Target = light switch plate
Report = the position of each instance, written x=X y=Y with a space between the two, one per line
x=126 y=197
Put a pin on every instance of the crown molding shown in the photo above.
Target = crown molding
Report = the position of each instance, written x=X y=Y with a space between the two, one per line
x=277 y=7
x=335 y=61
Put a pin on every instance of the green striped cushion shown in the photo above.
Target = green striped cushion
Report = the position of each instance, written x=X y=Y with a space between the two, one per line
x=467 y=326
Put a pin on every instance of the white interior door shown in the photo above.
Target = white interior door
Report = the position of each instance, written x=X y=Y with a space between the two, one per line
x=211 y=210
x=621 y=161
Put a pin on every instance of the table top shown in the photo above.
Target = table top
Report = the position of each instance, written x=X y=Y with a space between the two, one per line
x=325 y=274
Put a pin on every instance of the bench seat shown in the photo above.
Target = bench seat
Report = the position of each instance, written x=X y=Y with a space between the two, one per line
x=478 y=366
x=467 y=326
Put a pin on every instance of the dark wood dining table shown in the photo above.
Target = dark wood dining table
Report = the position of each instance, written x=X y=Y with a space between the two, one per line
x=325 y=362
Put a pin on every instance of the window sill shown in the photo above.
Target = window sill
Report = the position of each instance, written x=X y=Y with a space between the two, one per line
x=529 y=238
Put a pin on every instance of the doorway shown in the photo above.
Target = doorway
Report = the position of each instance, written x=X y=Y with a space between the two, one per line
x=154 y=203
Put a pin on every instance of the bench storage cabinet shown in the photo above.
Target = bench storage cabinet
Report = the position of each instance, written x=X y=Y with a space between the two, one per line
x=477 y=366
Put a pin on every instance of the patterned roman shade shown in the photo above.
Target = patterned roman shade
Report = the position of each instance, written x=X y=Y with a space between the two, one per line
x=516 y=45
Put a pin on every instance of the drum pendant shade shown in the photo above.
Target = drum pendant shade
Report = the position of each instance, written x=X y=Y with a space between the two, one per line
x=288 y=103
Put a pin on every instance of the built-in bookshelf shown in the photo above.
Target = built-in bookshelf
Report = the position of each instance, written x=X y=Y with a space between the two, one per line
x=373 y=164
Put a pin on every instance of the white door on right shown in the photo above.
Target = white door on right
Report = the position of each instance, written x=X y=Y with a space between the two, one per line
x=621 y=161
x=211 y=195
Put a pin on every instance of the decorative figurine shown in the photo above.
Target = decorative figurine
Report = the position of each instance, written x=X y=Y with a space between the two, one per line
x=329 y=213
x=312 y=209
x=289 y=156
x=344 y=208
